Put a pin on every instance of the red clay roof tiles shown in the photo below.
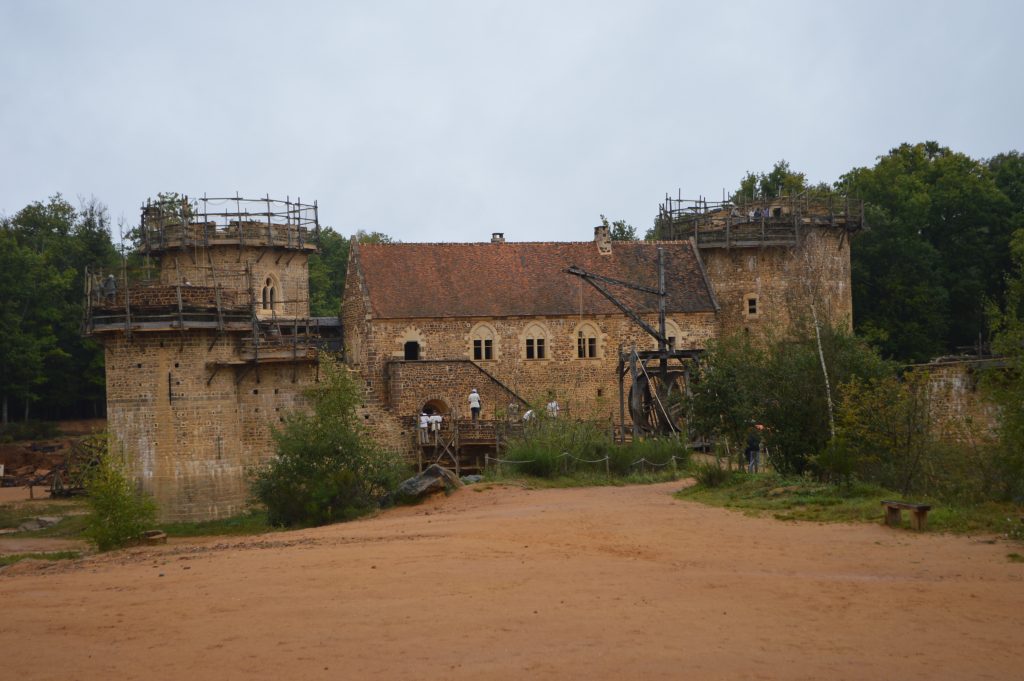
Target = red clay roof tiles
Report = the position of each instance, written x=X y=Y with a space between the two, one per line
x=523 y=279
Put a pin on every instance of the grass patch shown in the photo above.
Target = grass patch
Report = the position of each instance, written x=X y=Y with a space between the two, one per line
x=55 y=555
x=72 y=512
x=799 y=499
x=581 y=479
x=253 y=522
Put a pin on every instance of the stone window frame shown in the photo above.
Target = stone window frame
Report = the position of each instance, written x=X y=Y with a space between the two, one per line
x=591 y=333
x=674 y=333
x=758 y=309
x=271 y=299
x=532 y=333
x=483 y=332
x=409 y=334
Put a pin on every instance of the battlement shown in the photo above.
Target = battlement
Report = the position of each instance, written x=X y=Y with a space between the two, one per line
x=766 y=222
x=181 y=223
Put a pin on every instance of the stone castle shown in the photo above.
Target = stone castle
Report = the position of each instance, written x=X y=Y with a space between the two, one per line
x=211 y=342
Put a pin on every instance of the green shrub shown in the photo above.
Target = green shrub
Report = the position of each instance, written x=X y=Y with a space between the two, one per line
x=118 y=513
x=710 y=474
x=326 y=469
x=553 y=447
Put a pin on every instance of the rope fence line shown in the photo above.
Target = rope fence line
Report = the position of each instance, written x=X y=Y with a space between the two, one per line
x=488 y=460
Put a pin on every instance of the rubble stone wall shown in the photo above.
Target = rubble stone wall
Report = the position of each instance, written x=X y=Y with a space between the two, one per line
x=288 y=270
x=186 y=442
x=782 y=280
x=960 y=411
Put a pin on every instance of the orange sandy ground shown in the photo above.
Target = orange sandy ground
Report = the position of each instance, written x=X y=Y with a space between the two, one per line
x=506 y=583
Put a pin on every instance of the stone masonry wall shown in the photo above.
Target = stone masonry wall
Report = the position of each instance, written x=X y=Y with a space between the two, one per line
x=960 y=411
x=585 y=388
x=289 y=269
x=778 y=278
x=187 y=443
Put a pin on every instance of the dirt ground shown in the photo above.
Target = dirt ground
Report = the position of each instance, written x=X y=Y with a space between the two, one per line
x=507 y=583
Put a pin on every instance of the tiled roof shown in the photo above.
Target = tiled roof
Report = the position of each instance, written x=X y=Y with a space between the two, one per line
x=524 y=279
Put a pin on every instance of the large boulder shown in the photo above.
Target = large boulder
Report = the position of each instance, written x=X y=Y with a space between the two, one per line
x=431 y=481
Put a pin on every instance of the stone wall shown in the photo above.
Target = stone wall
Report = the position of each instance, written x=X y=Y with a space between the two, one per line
x=960 y=411
x=779 y=280
x=584 y=387
x=227 y=267
x=189 y=443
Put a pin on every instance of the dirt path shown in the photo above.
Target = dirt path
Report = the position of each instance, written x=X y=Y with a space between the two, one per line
x=616 y=583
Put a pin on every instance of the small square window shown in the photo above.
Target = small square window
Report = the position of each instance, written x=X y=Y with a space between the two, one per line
x=752 y=305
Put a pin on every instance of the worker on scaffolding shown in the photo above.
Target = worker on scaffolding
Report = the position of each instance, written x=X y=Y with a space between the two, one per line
x=110 y=288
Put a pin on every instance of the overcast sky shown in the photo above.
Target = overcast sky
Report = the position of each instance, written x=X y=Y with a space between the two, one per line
x=446 y=121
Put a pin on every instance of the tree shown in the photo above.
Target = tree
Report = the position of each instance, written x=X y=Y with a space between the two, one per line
x=619 y=230
x=327 y=274
x=118 y=513
x=781 y=180
x=327 y=269
x=29 y=312
x=1006 y=385
x=326 y=469
x=938 y=221
x=64 y=241
x=781 y=386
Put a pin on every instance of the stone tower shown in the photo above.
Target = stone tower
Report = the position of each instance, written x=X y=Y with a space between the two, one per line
x=208 y=343
x=770 y=260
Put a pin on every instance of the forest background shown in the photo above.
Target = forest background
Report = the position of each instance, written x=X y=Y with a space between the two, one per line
x=937 y=255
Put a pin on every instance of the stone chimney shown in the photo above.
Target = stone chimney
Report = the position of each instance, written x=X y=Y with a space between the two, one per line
x=603 y=239
x=497 y=237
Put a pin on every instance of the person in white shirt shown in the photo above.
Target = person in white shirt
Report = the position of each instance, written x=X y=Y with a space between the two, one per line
x=553 y=408
x=424 y=422
x=474 y=404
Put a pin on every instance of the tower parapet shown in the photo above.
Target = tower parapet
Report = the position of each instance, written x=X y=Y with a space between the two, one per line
x=770 y=259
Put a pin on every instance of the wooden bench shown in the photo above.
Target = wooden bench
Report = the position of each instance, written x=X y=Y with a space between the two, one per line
x=894 y=514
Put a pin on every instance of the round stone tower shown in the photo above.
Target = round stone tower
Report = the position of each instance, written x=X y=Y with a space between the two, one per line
x=208 y=344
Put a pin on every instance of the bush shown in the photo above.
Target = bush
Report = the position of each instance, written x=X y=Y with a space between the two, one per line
x=553 y=447
x=327 y=469
x=652 y=454
x=118 y=513
x=710 y=474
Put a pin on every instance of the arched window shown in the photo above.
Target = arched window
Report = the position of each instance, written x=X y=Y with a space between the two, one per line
x=271 y=293
x=535 y=345
x=588 y=341
x=412 y=350
x=676 y=340
x=483 y=343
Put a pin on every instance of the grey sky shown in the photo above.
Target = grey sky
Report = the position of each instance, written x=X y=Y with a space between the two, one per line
x=445 y=121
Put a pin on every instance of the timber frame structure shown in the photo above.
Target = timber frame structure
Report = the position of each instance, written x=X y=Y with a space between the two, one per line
x=653 y=394
x=764 y=222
